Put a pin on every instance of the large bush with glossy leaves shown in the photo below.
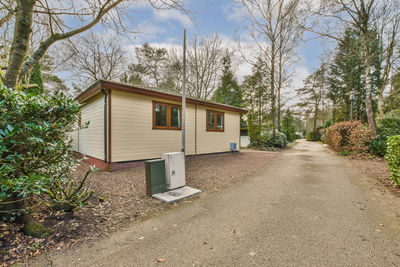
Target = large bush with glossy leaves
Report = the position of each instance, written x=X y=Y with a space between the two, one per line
x=388 y=125
x=35 y=142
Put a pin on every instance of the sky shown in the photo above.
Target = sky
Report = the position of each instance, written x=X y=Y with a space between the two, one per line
x=164 y=28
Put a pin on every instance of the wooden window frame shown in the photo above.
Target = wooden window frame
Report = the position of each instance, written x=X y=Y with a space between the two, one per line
x=215 y=121
x=168 y=127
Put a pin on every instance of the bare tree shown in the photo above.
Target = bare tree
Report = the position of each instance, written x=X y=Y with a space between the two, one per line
x=312 y=95
x=93 y=57
x=369 y=17
x=58 y=20
x=273 y=25
x=204 y=65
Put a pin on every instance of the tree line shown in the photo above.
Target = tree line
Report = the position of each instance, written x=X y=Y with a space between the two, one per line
x=37 y=43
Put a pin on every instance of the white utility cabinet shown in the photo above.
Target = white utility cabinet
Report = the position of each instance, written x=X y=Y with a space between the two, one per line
x=174 y=169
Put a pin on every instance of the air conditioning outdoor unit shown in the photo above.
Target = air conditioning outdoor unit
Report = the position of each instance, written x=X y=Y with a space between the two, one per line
x=174 y=169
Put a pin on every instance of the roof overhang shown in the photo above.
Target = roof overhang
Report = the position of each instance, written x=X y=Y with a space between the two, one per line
x=109 y=85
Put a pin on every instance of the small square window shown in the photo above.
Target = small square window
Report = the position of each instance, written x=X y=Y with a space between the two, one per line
x=215 y=121
x=166 y=116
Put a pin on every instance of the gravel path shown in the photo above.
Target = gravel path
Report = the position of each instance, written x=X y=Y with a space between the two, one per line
x=308 y=207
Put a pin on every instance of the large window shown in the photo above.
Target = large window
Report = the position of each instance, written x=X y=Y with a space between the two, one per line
x=215 y=121
x=167 y=116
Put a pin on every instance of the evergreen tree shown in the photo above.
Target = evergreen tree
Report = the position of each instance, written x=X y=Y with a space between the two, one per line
x=288 y=127
x=347 y=73
x=256 y=97
x=154 y=69
x=229 y=87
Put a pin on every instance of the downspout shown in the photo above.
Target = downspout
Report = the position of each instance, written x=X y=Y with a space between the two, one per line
x=105 y=125
x=195 y=129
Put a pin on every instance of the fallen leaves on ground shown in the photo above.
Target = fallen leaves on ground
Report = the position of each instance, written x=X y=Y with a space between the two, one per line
x=376 y=168
x=120 y=198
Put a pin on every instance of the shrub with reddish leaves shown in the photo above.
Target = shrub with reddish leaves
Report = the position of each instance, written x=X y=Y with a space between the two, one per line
x=348 y=137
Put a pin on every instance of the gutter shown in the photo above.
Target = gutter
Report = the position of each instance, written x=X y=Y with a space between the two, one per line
x=97 y=86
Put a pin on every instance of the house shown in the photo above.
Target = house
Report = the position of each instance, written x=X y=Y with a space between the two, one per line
x=129 y=124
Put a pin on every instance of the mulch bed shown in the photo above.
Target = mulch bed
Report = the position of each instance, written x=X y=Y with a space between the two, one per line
x=376 y=167
x=122 y=201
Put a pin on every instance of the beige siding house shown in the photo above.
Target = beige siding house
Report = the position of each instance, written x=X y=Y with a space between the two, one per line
x=128 y=124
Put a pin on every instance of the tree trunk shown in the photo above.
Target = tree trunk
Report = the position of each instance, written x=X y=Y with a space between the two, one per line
x=19 y=47
x=279 y=108
x=279 y=91
x=368 y=90
x=316 y=111
x=381 y=104
x=272 y=85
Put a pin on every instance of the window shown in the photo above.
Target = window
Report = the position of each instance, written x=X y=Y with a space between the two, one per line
x=175 y=117
x=166 y=116
x=215 y=121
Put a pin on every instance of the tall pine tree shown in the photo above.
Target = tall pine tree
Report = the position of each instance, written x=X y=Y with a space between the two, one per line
x=346 y=73
x=288 y=127
x=229 y=87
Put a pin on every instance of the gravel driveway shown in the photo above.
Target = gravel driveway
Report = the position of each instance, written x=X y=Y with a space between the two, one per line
x=123 y=201
x=308 y=207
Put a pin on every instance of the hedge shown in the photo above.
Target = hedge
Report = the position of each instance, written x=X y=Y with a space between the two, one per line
x=393 y=158
x=348 y=137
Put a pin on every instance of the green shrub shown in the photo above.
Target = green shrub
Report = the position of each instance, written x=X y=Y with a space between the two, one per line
x=309 y=136
x=393 y=158
x=254 y=131
x=378 y=146
x=328 y=124
x=388 y=125
x=313 y=136
x=348 y=137
x=270 y=141
x=35 y=145
x=277 y=140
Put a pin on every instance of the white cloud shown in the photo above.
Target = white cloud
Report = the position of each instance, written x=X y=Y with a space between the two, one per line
x=235 y=12
x=147 y=31
x=173 y=14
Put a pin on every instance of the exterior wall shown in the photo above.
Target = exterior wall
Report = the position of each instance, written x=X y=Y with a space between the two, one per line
x=133 y=137
x=212 y=142
x=90 y=141
x=132 y=133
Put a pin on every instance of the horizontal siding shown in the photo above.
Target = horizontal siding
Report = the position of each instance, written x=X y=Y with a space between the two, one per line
x=91 y=139
x=75 y=140
x=211 y=142
x=132 y=133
